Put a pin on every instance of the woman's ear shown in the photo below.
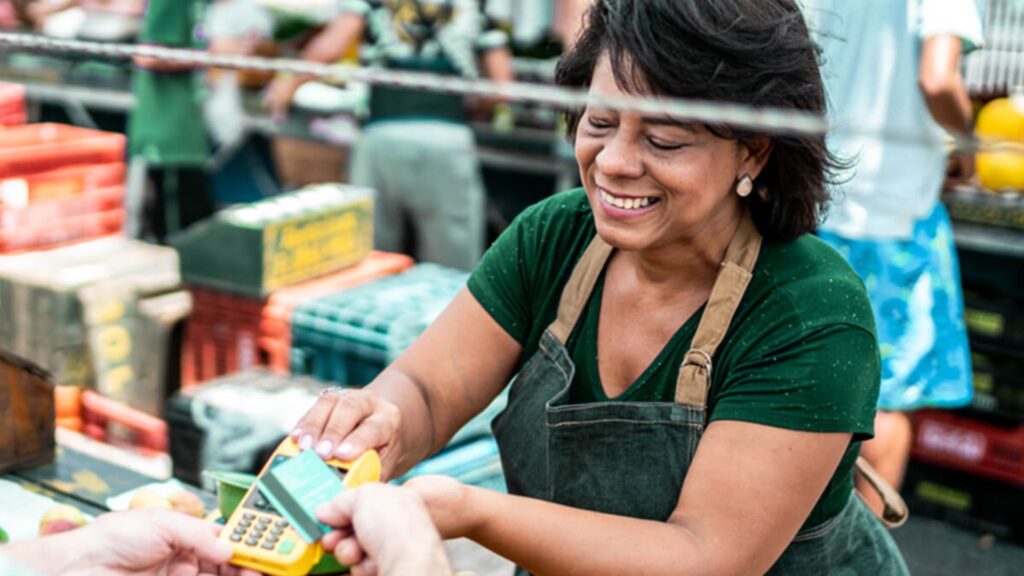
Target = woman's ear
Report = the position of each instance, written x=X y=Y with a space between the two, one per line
x=755 y=153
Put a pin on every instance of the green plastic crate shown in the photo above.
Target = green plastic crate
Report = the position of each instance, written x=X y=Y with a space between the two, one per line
x=350 y=337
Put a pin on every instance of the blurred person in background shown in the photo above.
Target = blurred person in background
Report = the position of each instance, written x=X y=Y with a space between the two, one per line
x=417 y=149
x=167 y=135
x=894 y=65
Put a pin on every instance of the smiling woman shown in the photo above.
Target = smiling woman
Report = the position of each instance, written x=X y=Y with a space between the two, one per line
x=687 y=249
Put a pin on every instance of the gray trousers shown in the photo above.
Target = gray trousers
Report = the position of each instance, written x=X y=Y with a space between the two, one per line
x=427 y=179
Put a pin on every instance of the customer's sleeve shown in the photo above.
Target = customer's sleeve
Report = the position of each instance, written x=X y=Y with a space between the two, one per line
x=954 y=17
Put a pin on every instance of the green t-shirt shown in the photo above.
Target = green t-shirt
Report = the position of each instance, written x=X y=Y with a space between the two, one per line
x=801 y=352
x=166 y=126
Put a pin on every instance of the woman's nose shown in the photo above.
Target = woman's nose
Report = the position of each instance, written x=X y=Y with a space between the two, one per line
x=620 y=157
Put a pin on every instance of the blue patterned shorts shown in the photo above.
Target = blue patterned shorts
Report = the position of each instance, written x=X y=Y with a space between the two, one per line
x=915 y=291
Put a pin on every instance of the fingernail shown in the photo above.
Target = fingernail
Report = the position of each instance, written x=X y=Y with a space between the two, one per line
x=296 y=433
x=346 y=450
x=306 y=443
x=324 y=448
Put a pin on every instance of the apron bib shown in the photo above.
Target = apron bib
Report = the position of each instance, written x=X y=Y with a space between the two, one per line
x=630 y=458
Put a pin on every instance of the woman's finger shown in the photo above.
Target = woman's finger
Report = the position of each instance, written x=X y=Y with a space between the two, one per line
x=351 y=408
x=311 y=425
x=375 y=431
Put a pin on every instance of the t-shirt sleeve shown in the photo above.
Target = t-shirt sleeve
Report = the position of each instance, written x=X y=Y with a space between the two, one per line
x=956 y=17
x=820 y=377
x=502 y=281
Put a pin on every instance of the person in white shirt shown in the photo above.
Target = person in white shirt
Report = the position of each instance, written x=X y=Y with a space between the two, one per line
x=893 y=66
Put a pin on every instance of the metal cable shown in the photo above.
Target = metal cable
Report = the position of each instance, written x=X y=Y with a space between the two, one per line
x=765 y=120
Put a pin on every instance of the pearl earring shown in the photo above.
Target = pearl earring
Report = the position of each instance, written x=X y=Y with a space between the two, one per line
x=745 y=186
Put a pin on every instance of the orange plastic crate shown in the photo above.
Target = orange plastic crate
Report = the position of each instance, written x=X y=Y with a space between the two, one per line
x=12 y=104
x=62 y=231
x=46 y=213
x=63 y=182
x=120 y=425
x=37 y=148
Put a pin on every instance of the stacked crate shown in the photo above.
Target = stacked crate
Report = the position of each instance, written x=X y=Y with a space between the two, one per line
x=349 y=338
x=250 y=266
x=98 y=315
x=12 y=104
x=968 y=465
x=59 y=184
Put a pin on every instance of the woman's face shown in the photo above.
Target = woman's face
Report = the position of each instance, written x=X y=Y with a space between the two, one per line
x=653 y=181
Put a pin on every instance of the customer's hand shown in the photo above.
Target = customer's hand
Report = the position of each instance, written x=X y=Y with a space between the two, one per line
x=449 y=503
x=959 y=169
x=148 y=542
x=383 y=530
x=344 y=424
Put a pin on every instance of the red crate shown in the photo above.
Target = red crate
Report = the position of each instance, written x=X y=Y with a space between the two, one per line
x=120 y=425
x=63 y=182
x=35 y=148
x=62 y=231
x=227 y=333
x=984 y=448
x=46 y=213
x=12 y=104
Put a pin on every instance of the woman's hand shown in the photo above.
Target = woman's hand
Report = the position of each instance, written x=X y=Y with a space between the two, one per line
x=345 y=423
x=279 y=95
x=450 y=504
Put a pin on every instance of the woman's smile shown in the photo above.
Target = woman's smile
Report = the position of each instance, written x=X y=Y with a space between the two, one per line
x=619 y=206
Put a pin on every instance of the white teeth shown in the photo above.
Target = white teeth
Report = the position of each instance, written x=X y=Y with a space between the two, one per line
x=626 y=203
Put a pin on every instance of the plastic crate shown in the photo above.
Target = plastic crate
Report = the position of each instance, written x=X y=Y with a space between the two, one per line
x=349 y=338
x=121 y=425
x=994 y=319
x=229 y=333
x=35 y=148
x=62 y=182
x=62 y=231
x=980 y=504
x=12 y=104
x=998 y=381
x=956 y=440
x=49 y=212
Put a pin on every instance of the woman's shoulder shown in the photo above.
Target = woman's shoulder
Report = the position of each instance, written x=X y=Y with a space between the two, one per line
x=814 y=280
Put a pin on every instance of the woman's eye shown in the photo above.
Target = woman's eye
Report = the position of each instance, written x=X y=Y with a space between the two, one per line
x=665 y=144
x=598 y=123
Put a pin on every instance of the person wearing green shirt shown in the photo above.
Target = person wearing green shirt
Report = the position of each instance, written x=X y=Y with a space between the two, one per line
x=692 y=372
x=166 y=132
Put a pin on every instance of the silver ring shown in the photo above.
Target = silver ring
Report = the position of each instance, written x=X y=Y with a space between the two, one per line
x=338 y=391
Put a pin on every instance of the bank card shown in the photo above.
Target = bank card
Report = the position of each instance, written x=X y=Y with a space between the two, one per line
x=297 y=486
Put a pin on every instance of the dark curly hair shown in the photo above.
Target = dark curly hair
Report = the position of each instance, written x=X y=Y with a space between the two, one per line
x=753 y=52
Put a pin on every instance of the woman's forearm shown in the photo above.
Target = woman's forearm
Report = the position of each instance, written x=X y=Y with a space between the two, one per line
x=549 y=539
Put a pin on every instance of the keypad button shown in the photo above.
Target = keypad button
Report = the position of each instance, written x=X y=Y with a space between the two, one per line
x=272 y=539
x=236 y=538
x=276 y=531
x=248 y=515
x=286 y=546
x=281 y=523
x=264 y=520
x=239 y=531
x=251 y=542
x=267 y=546
x=261 y=503
x=244 y=523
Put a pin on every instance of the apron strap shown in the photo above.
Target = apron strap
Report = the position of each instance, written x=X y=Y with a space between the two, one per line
x=577 y=290
x=737 y=270
x=895 y=512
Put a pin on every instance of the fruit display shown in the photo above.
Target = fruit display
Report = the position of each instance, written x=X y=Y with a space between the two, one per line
x=1002 y=119
x=61 y=518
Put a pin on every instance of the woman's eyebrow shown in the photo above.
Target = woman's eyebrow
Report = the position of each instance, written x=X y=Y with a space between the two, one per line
x=670 y=121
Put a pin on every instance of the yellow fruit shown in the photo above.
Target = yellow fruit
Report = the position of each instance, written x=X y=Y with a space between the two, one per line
x=1001 y=119
x=188 y=503
x=60 y=518
x=148 y=498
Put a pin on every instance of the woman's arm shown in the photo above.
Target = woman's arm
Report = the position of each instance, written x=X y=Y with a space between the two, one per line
x=942 y=84
x=449 y=374
x=748 y=491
